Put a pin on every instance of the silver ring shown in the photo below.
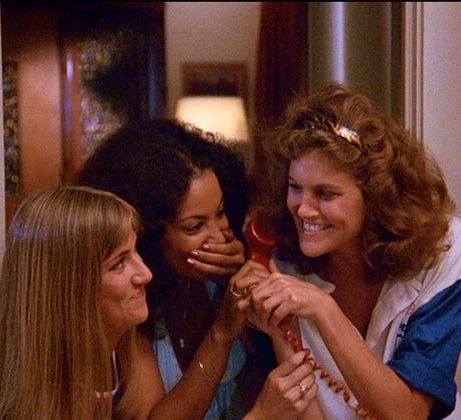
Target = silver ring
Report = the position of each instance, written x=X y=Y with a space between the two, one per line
x=303 y=388
x=235 y=294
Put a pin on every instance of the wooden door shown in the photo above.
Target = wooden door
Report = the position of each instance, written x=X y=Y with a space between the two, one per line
x=72 y=65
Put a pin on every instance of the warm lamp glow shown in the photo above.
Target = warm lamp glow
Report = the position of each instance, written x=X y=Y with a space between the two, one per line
x=224 y=115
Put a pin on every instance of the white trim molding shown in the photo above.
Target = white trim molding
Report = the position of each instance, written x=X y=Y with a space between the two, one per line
x=413 y=67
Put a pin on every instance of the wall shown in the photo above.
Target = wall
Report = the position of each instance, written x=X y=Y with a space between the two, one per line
x=441 y=90
x=228 y=32
x=222 y=32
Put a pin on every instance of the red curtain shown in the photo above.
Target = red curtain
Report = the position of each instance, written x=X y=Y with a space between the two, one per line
x=282 y=66
x=282 y=58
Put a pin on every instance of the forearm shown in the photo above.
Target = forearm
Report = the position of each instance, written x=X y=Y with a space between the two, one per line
x=282 y=348
x=313 y=412
x=192 y=395
x=377 y=387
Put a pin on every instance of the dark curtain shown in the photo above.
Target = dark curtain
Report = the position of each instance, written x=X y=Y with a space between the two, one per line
x=282 y=58
x=282 y=67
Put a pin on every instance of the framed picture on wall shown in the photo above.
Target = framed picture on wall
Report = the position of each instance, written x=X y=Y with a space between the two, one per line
x=214 y=79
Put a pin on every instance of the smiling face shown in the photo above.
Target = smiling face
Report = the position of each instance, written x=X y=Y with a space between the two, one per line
x=123 y=296
x=200 y=219
x=327 y=206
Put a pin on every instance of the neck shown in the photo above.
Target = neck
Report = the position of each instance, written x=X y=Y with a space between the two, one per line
x=347 y=268
x=184 y=314
x=113 y=337
x=188 y=314
x=115 y=380
x=355 y=292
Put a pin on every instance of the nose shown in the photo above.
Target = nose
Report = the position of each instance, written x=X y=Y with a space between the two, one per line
x=309 y=207
x=142 y=273
x=215 y=233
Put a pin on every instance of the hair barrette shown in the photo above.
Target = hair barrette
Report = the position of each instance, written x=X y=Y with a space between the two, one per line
x=342 y=131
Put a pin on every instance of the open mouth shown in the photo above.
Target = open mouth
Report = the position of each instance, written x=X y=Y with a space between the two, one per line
x=314 y=227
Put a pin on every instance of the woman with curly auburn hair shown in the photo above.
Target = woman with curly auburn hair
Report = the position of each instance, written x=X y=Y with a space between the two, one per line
x=71 y=292
x=367 y=269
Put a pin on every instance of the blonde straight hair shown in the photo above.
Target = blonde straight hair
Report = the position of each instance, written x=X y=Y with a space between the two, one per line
x=53 y=352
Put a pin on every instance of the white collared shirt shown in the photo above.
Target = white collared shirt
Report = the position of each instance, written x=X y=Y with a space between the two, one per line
x=415 y=328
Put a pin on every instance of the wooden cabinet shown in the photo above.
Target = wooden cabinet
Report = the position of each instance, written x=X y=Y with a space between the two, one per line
x=82 y=70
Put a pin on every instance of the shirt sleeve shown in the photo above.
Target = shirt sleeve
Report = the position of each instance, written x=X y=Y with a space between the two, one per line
x=428 y=354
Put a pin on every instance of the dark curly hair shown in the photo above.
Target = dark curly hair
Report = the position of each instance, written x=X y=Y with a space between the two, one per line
x=407 y=201
x=150 y=164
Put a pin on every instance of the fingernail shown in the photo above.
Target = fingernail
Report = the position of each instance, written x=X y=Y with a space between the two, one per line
x=194 y=253
x=206 y=246
x=191 y=261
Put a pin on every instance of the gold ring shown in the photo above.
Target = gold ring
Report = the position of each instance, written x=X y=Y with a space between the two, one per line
x=303 y=388
x=235 y=294
x=251 y=325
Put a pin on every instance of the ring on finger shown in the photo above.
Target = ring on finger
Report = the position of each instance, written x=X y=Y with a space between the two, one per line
x=248 y=289
x=235 y=294
x=303 y=388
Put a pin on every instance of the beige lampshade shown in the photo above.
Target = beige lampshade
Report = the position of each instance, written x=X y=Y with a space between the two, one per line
x=224 y=115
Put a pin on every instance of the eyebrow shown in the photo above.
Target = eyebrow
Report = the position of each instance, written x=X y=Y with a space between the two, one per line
x=199 y=216
x=334 y=186
x=116 y=257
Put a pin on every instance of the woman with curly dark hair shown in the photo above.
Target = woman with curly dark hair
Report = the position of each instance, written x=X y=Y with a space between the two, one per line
x=367 y=270
x=192 y=194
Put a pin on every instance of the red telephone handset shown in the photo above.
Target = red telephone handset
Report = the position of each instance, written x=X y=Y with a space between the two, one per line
x=260 y=241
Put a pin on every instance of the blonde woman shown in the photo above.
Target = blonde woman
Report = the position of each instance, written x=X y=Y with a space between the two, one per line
x=71 y=292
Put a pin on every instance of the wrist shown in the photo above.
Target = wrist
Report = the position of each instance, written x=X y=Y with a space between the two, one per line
x=327 y=317
x=255 y=413
x=221 y=336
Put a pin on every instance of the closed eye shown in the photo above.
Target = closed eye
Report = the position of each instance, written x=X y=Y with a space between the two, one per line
x=193 y=228
x=221 y=212
x=118 y=265
x=327 y=194
x=294 y=186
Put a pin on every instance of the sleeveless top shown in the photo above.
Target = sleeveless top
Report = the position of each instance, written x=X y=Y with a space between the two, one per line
x=227 y=403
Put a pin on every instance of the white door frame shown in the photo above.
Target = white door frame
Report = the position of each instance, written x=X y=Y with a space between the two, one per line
x=413 y=67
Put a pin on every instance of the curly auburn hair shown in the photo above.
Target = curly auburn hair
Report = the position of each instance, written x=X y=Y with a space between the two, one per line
x=407 y=202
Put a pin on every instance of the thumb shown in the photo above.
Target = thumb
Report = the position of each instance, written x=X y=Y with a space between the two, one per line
x=228 y=235
x=273 y=266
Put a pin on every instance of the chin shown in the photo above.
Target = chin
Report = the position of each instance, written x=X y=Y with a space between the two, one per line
x=312 y=251
x=144 y=315
x=140 y=316
x=194 y=274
